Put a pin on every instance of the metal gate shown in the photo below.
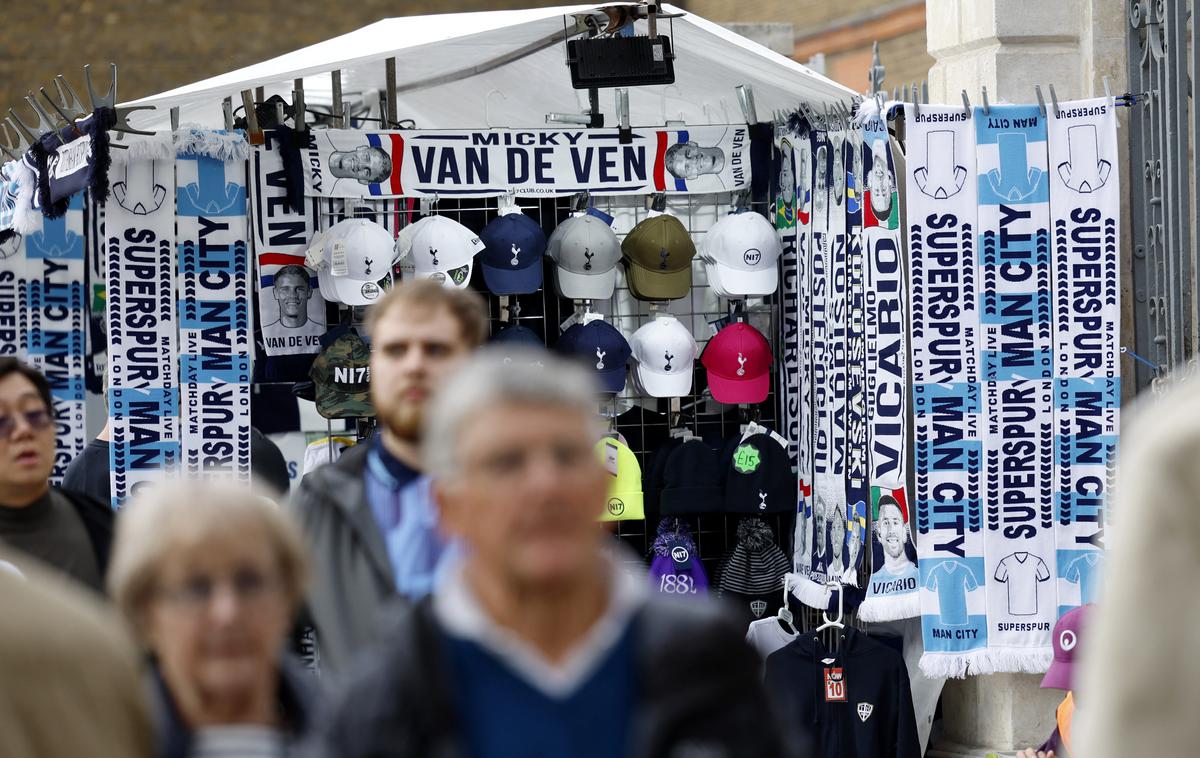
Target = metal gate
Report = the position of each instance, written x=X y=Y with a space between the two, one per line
x=1163 y=65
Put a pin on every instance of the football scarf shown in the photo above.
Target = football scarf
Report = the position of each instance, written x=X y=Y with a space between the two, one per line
x=214 y=304
x=944 y=321
x=73 y=159
x=1016 y=365
x=54 y=323
x=143 y=399
x=856 y=364
x=1084 y=211
x=290 y=307
x=813 y=566
x=12 y=296
x=892 y=590
x=789 y=325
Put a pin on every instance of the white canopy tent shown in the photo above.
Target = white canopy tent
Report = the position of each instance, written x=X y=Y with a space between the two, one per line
x=508 y=69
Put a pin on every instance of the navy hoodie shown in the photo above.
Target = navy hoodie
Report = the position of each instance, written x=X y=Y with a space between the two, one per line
x=851 y=703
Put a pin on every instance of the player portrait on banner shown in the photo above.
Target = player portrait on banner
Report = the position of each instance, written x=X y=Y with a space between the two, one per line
x=291 y=309
x=292 y=292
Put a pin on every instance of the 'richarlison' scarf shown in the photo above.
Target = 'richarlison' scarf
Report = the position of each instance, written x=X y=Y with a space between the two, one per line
x=143 y=398
x=214 y=305
x=942 y=189
x=55 y=309
x=892 y=590
x=1084 y=209
x=1016 y=365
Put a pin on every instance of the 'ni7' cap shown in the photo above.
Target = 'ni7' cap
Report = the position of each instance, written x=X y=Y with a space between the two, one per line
x=658 y=259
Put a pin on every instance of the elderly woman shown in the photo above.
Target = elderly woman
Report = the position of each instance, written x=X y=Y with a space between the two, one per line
x=210 y=576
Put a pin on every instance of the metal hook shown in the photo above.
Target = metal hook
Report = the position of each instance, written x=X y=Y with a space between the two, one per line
x=1037 y=88
x=1054 y=98
x=20 y=143
x=487 y=105
x=68 y=98
x=1107 y=91
x=20 y=126
x=59 y=111
x=987 y=107
x=227 y=109
x=966 y=103
x=10 y=147
x=298 y=105
x=45 y=122
x=252 y=130
x=109 y=98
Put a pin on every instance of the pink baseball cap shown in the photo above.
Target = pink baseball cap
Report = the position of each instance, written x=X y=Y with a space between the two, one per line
x=1068 y=633
x=738 y=362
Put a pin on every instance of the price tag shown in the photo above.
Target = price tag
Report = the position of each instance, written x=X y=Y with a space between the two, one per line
x=610 y=457
x=835 y=685
x=337 y=259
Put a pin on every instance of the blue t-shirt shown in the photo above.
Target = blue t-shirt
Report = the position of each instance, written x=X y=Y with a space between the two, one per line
x=402 y=503
x=504 y=716
x=952 y=581
x=1085 y=571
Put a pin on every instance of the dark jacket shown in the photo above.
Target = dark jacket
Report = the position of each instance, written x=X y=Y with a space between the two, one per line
x=699 y=692
x=299 y=707
x=870 y=715
x=352 y=574
x=97 y=519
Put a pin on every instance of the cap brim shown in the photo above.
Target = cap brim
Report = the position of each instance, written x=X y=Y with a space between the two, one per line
x=739 y=391
x=573 y=286
x=343 y=407
x=659 y=285
x=512 y=281
x=353 y=291
x=665 y=385
x=746 y=283
x=1058 y=677
x=611 y=379
x=444 y=276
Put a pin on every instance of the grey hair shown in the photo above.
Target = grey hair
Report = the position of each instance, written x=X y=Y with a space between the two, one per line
x=493 y=377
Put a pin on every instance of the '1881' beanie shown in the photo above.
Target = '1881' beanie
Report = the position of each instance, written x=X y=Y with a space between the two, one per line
x=676 y=568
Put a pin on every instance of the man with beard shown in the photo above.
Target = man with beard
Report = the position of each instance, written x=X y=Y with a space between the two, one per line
x=837 y=541
x=369 y=517
x=891 y=529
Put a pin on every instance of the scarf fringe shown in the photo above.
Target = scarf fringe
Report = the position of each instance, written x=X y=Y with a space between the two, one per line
x=951 y=665
x=145 y=148
x=102 y=153
x=890 y=607
x=809 y=592
x=25 y=219
x=1028 y=660
x=228 y=147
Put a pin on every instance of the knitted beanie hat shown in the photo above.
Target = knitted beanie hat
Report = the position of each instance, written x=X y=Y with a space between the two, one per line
x=756 y=565
x=676 y=568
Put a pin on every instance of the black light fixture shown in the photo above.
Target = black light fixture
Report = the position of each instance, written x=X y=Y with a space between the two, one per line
x=610 y=59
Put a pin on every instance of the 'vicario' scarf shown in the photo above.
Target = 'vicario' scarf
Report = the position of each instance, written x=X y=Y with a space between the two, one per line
x=892 y=590
x=1017 y=370
x=942 y=190
x=1085 y=201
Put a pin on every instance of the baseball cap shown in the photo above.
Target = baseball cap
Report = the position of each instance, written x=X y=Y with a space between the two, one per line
x=441 y=249
x=603 y=347
x=517 y=339
x=625 y=484
x=658 y=258
x=586 y=253
x=1068 y=633
x=341 y=377
x=759 y=478
x=512 y=257
x=664 y=352
x=742 y=253
x=738 y=362
x=692 y=480
x=353 y=259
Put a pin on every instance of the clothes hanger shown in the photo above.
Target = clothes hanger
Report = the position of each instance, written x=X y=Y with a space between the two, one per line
x=784 y=615
x=834 y=623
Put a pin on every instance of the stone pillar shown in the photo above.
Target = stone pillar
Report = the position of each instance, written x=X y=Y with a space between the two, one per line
x=1009 y=46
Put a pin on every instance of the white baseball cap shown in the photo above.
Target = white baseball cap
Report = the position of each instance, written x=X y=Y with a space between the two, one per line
x=441 y=249
x=353 y=259
x=664 y=352
x=741 y=255
x=586 y=253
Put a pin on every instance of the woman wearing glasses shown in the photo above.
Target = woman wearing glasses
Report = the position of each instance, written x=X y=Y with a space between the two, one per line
x=210 y=575
x=66 y=530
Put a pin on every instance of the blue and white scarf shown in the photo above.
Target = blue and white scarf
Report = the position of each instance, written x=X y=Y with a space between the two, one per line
x=214 y=305
x=892 y=590
x=857 y=454
x=143 y=398
x=55 y=310
x=1017 y=371
x=944 y=319
x=1085 y=200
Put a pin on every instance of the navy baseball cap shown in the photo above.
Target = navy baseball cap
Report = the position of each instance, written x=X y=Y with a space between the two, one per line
x=516 y=339
x=512 y=258
x=601 y=346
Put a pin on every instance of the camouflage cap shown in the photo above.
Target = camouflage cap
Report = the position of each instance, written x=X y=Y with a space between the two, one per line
x=342 y=378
